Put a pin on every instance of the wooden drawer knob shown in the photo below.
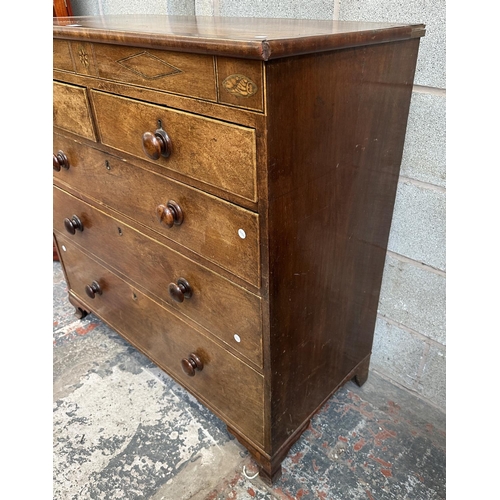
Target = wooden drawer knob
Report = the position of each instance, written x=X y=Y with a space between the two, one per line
x=191 y=364
x=73 y=224
x=170 y=214
x=60 y=160
x=180 y=290
x=92 y=289
x=157 y=144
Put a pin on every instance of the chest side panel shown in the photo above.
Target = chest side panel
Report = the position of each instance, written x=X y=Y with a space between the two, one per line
x=337 y=124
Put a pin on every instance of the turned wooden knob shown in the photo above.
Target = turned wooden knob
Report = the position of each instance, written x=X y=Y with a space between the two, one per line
x=157 y=144
x=180 y=290
x=73 y=224
x=170 y=214
x=92 y=289
x=60 y=160
x=191 y=364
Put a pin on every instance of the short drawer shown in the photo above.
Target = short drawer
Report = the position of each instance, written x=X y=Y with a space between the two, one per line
x=228 y=311
x=62 y=59
x=192 y=75
x=217 y=230
x=228 y=386
x=240 y=83
x=217 y=153
x=72 y=110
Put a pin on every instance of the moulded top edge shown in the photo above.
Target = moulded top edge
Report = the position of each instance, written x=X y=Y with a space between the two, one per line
x=253 y=38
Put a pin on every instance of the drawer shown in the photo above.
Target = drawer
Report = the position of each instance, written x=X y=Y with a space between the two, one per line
x=228 y=311
x=240 y=83
x=192 y=75
x=217 y=153
x=72 y=110
x=227 y=385
x=83 y=58
x=62 y=59
x=211 y=227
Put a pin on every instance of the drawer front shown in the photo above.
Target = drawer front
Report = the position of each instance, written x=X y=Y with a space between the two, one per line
x=62 y=55
x=83 y=57
x=228 y=311
x=230 y=387
x=217 y=153
x=72 y=110
x=211 y=226
x=240 y=83
x=192 y=75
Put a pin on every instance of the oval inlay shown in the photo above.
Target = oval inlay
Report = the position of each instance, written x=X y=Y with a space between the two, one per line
x=240 y=86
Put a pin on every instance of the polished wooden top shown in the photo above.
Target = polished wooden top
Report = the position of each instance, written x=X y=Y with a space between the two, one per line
x=253 y=38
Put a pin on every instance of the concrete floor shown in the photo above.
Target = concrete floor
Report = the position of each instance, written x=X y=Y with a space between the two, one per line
x=124 y=430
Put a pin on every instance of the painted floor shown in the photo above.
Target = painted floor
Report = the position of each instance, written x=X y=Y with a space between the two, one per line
x=123 y=429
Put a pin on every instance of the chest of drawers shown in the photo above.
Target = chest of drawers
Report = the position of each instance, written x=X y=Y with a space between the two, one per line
x=223 y=194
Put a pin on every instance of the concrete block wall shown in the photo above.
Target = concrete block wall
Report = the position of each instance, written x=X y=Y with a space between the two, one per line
x=410 y=336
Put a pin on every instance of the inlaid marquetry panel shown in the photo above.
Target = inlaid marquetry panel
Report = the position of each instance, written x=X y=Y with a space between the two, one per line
x=83 y=56
x=240 y=83
x=186 y=74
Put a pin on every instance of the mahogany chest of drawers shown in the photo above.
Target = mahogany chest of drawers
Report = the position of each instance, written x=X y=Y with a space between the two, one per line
x=223 y=194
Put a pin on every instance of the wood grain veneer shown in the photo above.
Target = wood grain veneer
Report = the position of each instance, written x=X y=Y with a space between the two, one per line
x=202 y=148
x=72 y=110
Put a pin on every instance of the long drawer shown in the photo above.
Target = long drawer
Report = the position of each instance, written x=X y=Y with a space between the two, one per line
x=227 y=385
x=214 y=229
x=228 y=311
x=211 y=151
